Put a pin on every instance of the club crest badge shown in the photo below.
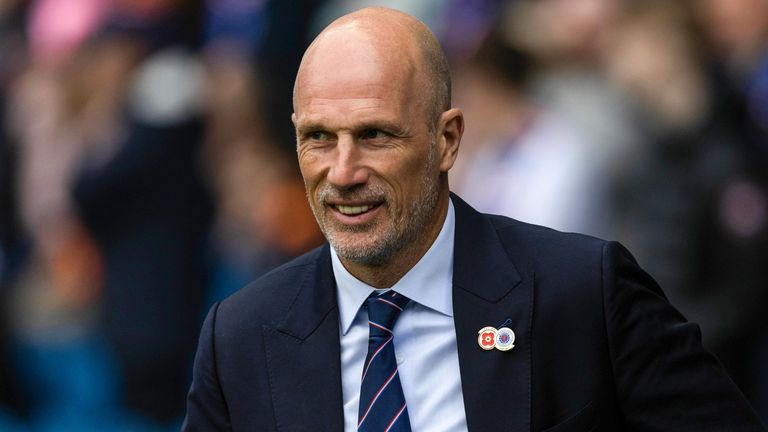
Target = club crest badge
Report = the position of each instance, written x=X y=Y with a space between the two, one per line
x=486 y=338
x=505 y=339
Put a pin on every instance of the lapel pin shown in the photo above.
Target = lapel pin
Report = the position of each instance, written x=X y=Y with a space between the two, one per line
x=486 y=338
x=505 y=339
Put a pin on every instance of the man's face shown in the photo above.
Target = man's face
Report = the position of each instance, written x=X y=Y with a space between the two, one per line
x=367 y=153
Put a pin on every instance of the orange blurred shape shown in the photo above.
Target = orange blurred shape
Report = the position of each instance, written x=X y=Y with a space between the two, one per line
x=284 y=219
x=76 y=268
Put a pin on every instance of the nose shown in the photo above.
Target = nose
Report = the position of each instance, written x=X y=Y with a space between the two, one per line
x=347 y=169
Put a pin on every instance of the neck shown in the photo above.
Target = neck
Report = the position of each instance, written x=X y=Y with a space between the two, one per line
x=387 y=274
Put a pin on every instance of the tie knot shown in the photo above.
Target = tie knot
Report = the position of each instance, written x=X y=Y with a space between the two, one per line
x=384 y=309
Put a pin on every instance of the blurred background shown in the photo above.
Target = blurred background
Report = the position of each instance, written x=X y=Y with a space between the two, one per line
x=147 y=169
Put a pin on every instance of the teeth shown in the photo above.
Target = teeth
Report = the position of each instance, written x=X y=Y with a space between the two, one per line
x=353 y=210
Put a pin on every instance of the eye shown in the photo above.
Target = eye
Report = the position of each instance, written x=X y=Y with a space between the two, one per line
x=373 y=134
x=317 y=135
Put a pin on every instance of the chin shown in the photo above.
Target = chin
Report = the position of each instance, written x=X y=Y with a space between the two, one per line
x=363 y=251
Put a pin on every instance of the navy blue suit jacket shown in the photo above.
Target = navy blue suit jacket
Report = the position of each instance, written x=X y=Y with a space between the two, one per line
x=598 y=346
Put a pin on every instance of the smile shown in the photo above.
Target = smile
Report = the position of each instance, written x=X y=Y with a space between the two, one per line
x=356 y=212
x=353 y=210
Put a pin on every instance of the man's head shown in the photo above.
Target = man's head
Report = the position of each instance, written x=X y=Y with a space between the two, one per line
x=376 y=138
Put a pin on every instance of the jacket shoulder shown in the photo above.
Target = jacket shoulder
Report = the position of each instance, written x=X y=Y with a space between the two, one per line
x=542 y=245
x=266 y=300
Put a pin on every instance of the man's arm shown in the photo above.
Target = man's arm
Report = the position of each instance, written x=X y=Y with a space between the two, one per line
x=206 y=407
x=665 y=379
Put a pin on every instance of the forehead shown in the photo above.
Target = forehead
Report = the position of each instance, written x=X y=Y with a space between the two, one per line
x=355 y=73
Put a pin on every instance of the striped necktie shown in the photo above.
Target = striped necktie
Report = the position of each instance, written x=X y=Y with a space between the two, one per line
x=382 y=404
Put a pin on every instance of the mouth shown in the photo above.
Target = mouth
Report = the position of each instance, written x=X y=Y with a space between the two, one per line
x=355 y=213
x=355 y=210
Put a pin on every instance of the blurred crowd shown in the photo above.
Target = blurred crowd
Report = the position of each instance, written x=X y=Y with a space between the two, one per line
x=147 y=169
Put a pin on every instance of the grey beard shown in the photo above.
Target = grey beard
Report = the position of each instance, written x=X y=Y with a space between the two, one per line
x=403 y=231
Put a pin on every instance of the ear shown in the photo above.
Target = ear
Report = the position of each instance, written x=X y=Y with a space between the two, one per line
x=450 y=129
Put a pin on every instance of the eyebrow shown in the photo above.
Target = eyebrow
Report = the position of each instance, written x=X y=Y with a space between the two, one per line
x=307 y=127
x=384 y=125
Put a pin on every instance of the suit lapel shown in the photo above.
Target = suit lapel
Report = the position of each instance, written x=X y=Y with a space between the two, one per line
x=488 y=290
x=303 y=356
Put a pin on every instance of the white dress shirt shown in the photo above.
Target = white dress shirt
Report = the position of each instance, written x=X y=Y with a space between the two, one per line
x=425 y=339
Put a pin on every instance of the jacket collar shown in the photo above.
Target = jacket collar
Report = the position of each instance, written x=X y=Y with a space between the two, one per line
x=491 y=288
x=479 y=253
x=315 y=300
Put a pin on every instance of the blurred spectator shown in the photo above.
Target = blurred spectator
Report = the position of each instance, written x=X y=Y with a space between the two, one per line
x=519 y=158
x=429 y=11
x=738 y=36
x=652 y=55
x=286 y=37
x=263 y=216
x=52 y=296
x=142 y=197
x=117 y=117
x=11 y=239
x=565 y=39
x=694 y=208
x=566 y=131
x=737 y=31
x=462 y=26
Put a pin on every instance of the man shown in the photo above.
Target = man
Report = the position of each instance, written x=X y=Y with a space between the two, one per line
x=504 y=326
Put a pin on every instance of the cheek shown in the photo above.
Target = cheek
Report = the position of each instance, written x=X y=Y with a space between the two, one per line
x=408 y=177
x=307 y=162
x=310 y=171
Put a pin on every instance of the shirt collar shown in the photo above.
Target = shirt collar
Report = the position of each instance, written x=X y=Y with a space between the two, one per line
x=428 y=283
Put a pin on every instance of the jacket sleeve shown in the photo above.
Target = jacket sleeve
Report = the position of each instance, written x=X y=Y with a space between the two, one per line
x=206 y=406
x=665 y=379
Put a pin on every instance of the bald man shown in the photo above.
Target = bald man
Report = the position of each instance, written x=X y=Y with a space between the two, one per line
x=422 y=314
